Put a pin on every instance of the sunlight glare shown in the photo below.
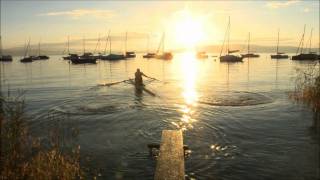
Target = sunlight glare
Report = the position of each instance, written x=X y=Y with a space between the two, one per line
x=189 y=73
x=188 y=29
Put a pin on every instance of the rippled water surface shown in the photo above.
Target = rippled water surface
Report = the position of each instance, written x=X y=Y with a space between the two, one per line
x=237 y=118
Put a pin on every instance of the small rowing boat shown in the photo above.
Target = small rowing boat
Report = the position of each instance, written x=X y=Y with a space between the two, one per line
x=141 y=88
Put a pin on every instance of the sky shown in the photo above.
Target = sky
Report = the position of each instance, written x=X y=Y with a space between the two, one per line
x=184 y=23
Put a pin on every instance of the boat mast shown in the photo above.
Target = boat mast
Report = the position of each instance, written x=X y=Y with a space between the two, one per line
x=278 y=41
x=125 y=45
x=25 y=45
x=310 y=40
x=107 y=39
x=224 y=40
x=164 y=34
x=148 y=41
x=39 y=47
x=109 y=43
x=304 y=31
x=97 y=45
x=84 y=45
x=68 y=46
x=228 y=30
x=300 y=47
x=27 y=48
x=0 y=46
x=160 y=44
x=249 y=43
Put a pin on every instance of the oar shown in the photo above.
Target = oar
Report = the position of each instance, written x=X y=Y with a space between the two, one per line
x=110 y=84
x=148 y=91
x=157 y=79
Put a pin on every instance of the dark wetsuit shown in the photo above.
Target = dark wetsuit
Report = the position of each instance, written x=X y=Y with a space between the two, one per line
x=138 y=78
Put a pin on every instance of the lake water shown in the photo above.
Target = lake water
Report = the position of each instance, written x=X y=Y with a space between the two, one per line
x=236 y=118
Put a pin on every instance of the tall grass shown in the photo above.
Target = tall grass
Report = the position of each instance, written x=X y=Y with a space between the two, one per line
x=26 y=157
x=307 y=91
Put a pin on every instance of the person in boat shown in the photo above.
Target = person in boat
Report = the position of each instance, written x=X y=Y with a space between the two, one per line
x=138 y=77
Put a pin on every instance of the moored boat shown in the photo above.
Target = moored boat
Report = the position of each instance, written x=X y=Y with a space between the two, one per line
x=149 y=55
x=40 y=57
x=83 y=59
x=4 y=57
x=305 y=56
x=202 y=55
x=128 y=54
x=163 y=55
x=229 y=57
x=34 y=57
x=279 y=55
x=111 y=56
x=43 y=57
x=26 y=58
x=249 y=54
x=68 y=57
x=87 y=57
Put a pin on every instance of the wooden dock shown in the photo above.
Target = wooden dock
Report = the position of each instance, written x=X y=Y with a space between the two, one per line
x=170 y=163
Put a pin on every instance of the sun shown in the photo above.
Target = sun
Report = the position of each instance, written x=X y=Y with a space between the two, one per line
x=188 y=29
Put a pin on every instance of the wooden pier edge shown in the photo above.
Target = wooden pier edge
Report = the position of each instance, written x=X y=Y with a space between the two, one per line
x=170 y=163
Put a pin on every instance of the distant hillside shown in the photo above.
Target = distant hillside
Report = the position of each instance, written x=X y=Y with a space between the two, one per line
x=253 y=48
x=76 y=47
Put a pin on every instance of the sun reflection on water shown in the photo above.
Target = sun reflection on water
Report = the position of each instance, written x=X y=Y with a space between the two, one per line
x=188 y=73
x=189 y=76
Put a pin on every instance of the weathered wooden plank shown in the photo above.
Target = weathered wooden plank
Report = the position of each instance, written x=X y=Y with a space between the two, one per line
x=170 y=163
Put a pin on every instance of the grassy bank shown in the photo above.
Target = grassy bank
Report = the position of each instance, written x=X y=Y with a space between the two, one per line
x=26 y=157
x=307 y=91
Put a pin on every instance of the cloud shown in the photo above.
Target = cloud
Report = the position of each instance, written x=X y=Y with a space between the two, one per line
x=78 y=13
x=281 y=4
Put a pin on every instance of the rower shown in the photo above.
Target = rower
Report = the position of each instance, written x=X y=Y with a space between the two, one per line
x=138 y=77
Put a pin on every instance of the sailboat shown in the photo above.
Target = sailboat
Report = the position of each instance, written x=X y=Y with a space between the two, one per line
x=26 y=58
x=4 y=57
x=85 y=58
x=68 y=52
x=279 y=55
x=305 y=56
x=104 y=55
x=229 y=57
x=163 y=55
x=96 y=52
x=110 y=56
x=202 y=55
x=149 y=54
x=249 y=55
x=129 y=54
x=40 y=57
